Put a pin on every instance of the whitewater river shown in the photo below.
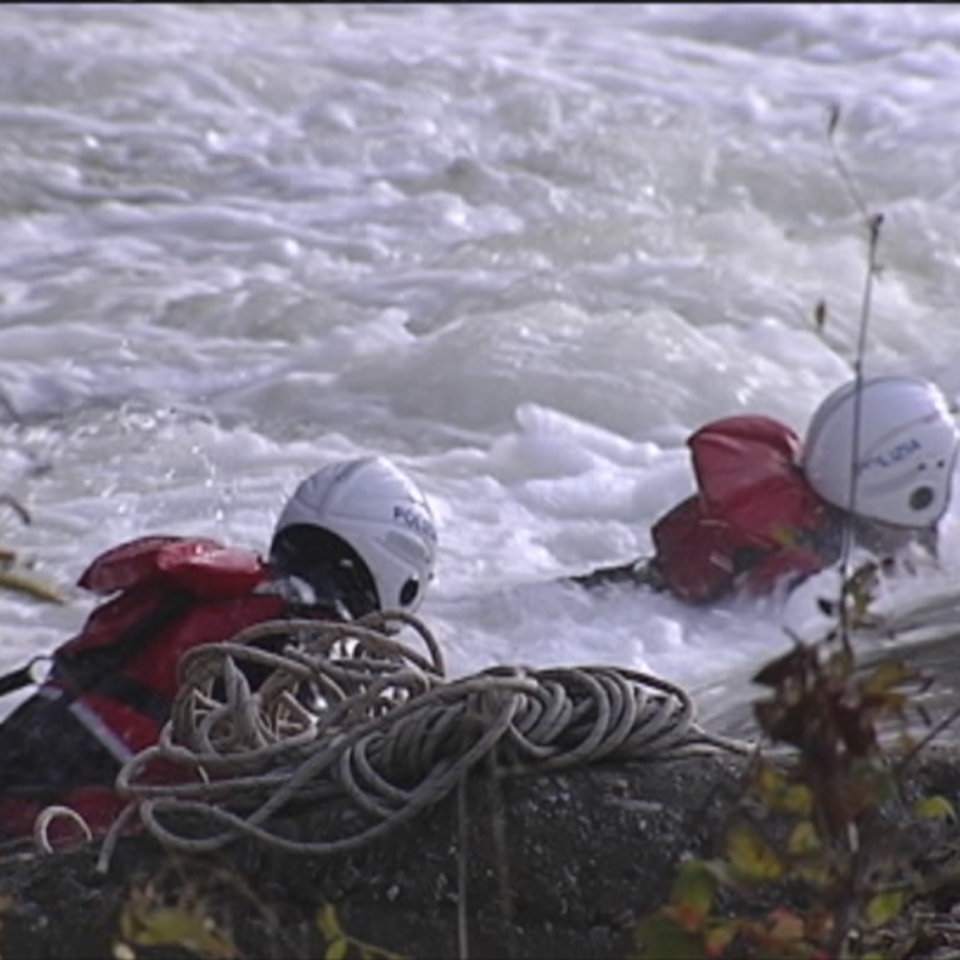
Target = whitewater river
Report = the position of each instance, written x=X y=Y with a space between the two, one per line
x=522 y=249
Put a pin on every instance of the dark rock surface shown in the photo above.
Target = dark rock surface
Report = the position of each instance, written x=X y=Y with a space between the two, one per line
x=554 y=865
x=577 y=853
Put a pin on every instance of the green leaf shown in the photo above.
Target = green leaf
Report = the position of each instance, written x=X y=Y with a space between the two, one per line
x=660 y=938
x=176 y=926
x=797 y=799
x=883 y=907
x=721 y=872
x=719 y=937
x=817 y=875
x=336 y=949
x=887 y=675
x=804 y=838
x=329 y=923
x=751 y=856
x=935 y=808
x=694 y=888
x=769 y=781
x=778 y=793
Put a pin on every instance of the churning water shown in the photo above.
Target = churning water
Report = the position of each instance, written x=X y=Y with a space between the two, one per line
x=522 y=249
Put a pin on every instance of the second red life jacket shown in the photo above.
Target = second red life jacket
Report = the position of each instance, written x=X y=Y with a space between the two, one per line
x=753 y=514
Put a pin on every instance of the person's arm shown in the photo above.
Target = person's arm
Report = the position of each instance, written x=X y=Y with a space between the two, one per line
x=749 y=492
x=788 y=563
x=694 y=557
x=641 y=572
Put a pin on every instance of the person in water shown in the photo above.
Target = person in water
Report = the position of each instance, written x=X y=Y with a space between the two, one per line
x=876 y=466
x=355 y=538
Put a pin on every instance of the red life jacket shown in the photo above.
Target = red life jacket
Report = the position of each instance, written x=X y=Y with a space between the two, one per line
x=175 y=594
x=118 y=676
x=753 y=514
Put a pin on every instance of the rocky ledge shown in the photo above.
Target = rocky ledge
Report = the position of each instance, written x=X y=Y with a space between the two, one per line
x=557 y=865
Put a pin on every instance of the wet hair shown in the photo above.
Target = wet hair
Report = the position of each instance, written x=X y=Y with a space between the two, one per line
x=328 y=564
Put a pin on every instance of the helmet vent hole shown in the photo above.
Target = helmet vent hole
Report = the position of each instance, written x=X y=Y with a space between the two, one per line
x=921 y=498
x=409 y=591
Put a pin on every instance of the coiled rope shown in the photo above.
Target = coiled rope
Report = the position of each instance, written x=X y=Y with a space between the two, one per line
x=347 y=711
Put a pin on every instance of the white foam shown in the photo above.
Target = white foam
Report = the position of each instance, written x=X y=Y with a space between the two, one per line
x=523 y=249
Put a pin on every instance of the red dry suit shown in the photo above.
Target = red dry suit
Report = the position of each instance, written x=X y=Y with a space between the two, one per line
x=753 y=519
x=110 y=689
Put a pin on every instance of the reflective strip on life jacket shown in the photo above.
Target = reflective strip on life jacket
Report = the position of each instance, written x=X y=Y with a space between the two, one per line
x=124 y=716
x=89 y=719
x=94 y=725
x=123 y=689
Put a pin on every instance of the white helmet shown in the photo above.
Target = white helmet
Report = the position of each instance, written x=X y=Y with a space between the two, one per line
x=907 y=446
x=382 y=515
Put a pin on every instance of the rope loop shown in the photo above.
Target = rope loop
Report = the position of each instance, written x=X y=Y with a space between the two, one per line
x=349 y=712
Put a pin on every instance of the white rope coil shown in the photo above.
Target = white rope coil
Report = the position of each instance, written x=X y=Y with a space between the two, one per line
x=347 y=712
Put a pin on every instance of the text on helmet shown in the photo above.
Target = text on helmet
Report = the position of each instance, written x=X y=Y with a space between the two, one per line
x=415 y=519
x=893 y=456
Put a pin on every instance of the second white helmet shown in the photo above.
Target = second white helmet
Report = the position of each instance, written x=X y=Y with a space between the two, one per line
x=381 y=513
x=905 y=449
